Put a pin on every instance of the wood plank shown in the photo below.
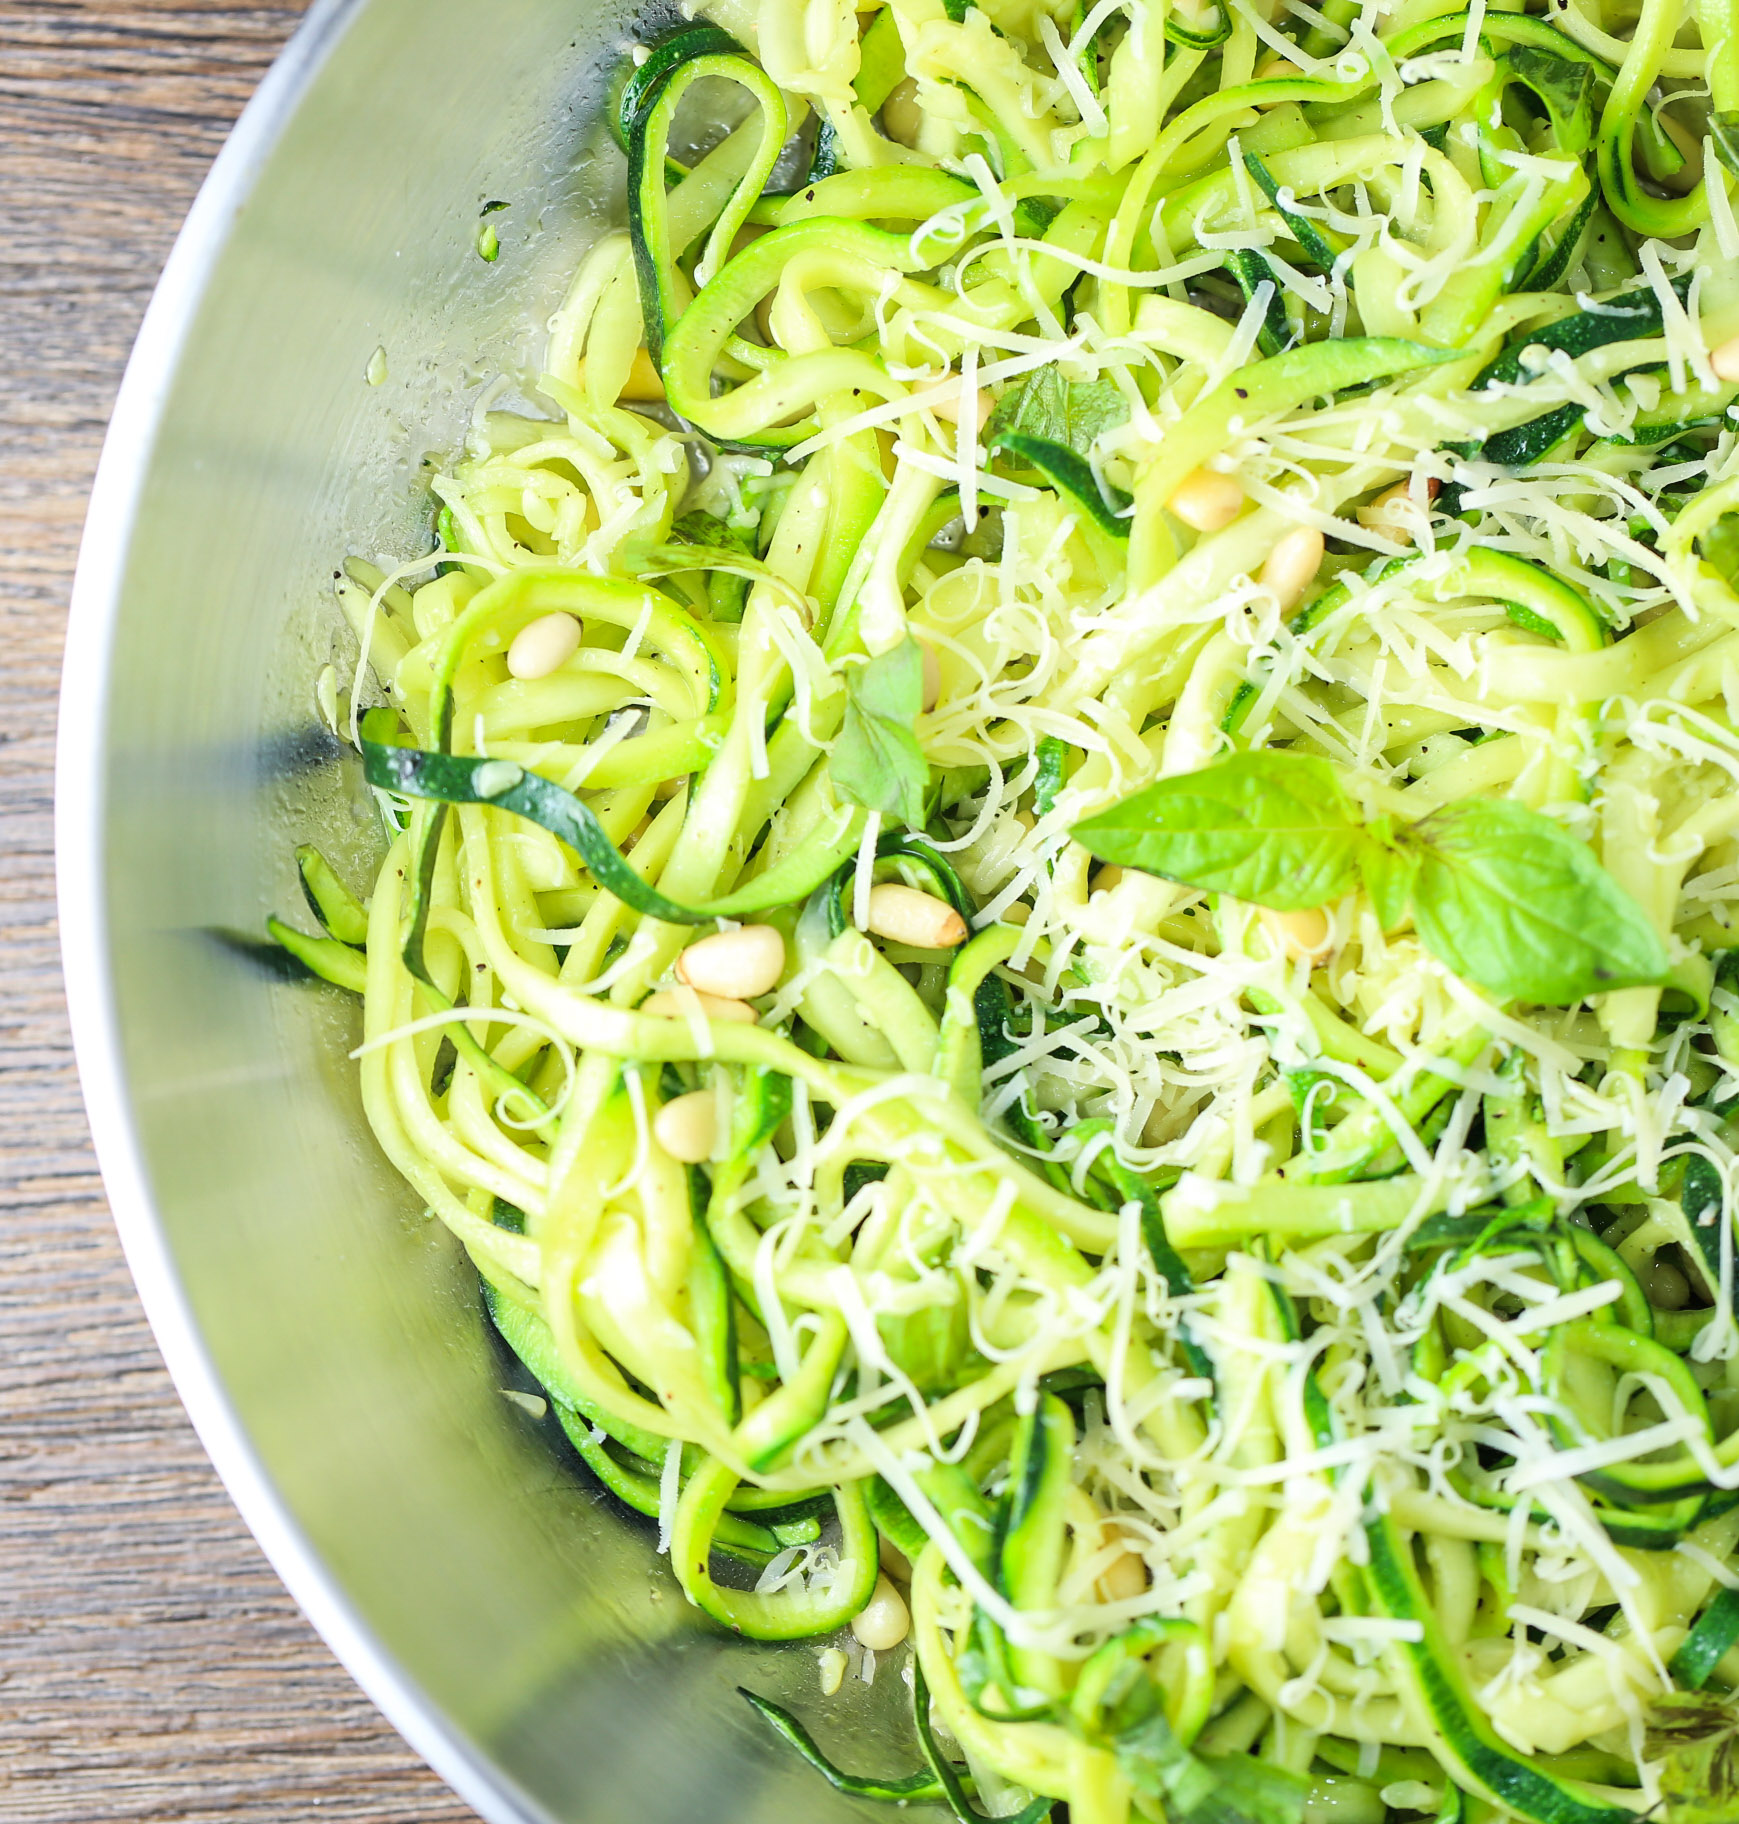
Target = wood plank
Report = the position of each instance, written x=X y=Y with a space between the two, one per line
x=151 y=1666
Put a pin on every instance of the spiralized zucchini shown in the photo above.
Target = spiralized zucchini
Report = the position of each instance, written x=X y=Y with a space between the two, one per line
x=1171 y=570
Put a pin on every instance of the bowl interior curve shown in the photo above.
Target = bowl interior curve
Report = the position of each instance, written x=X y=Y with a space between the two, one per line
x=327 y=1338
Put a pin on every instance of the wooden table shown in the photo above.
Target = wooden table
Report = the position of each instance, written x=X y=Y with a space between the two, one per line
x=151 y=1667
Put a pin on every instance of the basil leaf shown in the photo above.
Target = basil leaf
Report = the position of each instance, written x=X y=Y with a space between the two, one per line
x=1696 y=1738
x=876 y=760
x=1267 y=826
x=1052 y=755
x=1565 y=89
x=698 y=528
x=1719 y=544
x=1198 y=1789
x=1074 y=413
x=1390 y=868
x=725 y=549
x=931 y=1346
x=1511 y=901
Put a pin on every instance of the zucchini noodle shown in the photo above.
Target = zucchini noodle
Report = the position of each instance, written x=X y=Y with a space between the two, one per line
x=1058 y=915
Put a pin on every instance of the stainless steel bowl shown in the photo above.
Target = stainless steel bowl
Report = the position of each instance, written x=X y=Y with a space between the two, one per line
x=326 y=1338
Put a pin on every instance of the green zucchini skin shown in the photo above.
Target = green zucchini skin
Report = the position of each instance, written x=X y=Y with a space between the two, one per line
x=642 y=82
x=907 y=1789
x=448 y=779
x=591 y=1429
x=1105 y=504
x=881 y=63
x=1029 y=1553
x=955 y=1787
x=340 y=957
x=800 y=1614
x=1252 y=271
x=894 y=1521
x=649 y=99
x=1481 y=1762
x=1715 y=1635
x=1631 y=316
x=712 y=1303
x=1318 y=247
x=734 y=1537
x=324 y=957
x=331 y=901
x=1205 y=38
x=528 y=1336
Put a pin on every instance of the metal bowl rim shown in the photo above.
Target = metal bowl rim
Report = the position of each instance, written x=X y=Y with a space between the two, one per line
x=81 y=762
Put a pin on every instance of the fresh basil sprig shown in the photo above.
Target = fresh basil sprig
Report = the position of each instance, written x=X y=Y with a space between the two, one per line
x=1194 y=1789
x=1272 y=828
x=1501 y=894
x=1512 y=901
x=876 y=759
x=1050 y=424
x=1074 y=413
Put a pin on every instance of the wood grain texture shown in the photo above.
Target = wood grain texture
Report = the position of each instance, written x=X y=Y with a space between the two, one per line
x=151 y=1666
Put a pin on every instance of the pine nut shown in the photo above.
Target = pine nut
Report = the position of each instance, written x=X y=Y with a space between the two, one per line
x=687 y=1127
x=1108 y=879
x=681 y=1003
x=1305 y=933
x=1206 y=500
x=932 y=676
x=544 y=645
x=1125 y=1577
x=1276 y=68
x=832 y=1664
x=1292 y=564
x=1668 y=1289
x=903 y=915
x=883 y=1622
x=1391 y=513
x=1724 y=359
x=736 y=965
x=901 y=115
